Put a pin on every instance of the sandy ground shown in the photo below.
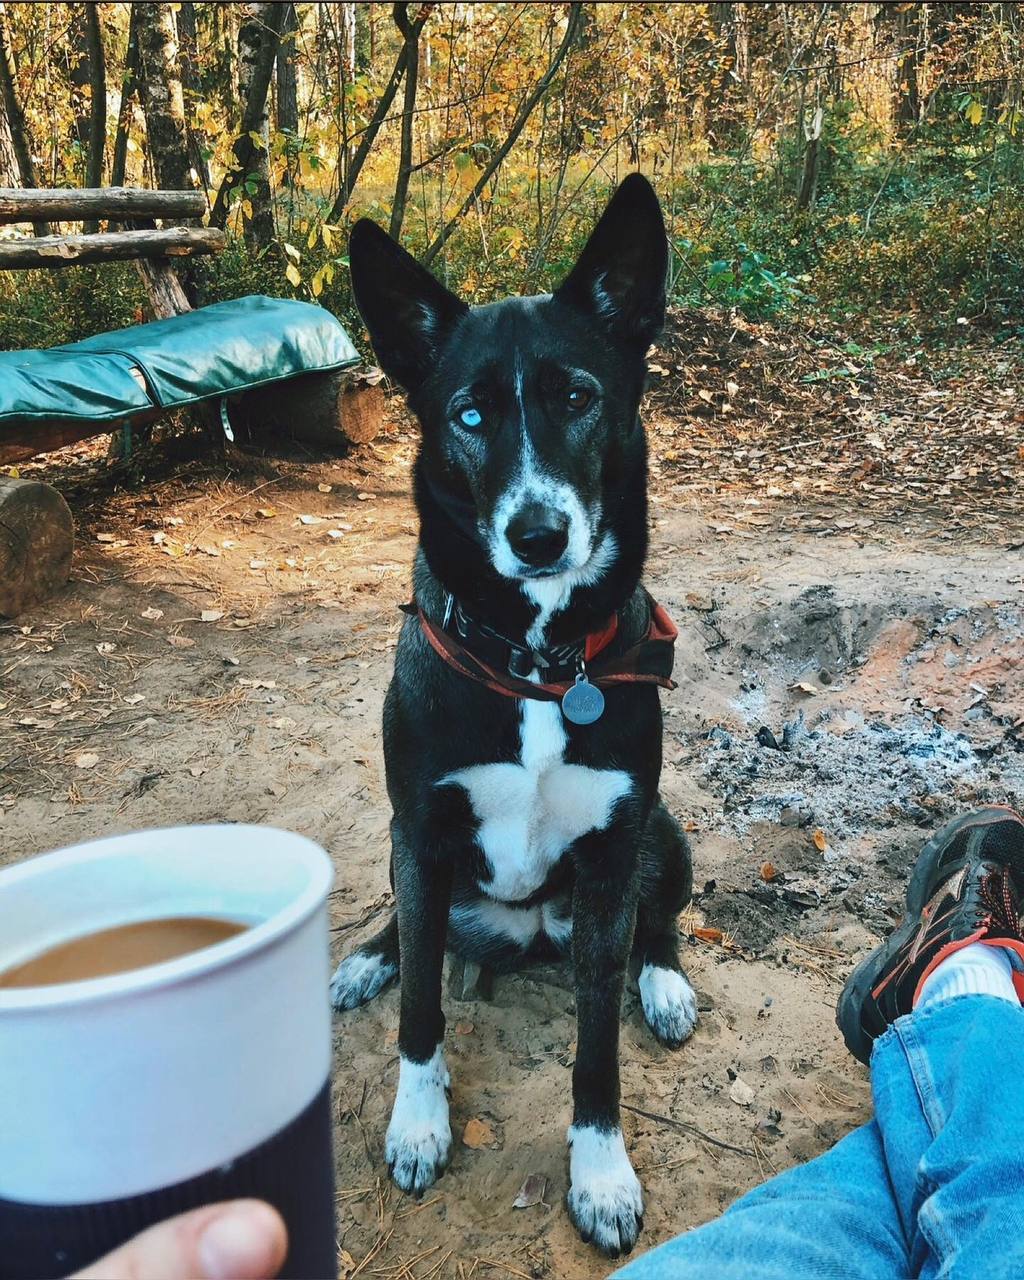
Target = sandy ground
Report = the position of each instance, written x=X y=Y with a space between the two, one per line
x=220 y=655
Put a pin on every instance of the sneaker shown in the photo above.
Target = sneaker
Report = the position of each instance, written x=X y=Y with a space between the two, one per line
x=966 y=887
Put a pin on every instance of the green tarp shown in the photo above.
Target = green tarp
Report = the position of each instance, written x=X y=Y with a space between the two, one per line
x=215 y=351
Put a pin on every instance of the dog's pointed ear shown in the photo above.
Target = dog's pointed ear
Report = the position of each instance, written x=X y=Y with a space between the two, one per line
x=620 y=275
x=408 y=313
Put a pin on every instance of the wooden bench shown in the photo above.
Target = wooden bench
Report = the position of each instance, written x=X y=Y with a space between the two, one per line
x=273 y=365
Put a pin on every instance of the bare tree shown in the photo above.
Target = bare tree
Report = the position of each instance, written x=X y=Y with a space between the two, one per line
x=17 y=129
x=188 y=61
x=373 y=127
x=162 y=97
x=257 y=49
x=129 y=84
x=521 y=117
x=287 y=83
x=97 y=103
x=411 y=36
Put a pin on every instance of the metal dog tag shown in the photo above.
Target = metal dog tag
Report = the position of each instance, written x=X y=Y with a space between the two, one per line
x=583 y=702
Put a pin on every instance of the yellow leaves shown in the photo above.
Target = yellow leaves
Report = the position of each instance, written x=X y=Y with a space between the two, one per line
x=820 y=841
x=975 y=112
x=293 y=274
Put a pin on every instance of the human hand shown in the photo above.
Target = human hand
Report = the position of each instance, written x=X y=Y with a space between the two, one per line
x=237 y=1240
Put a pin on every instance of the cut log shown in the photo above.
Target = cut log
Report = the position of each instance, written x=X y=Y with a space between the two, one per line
x=21 y=442
x=331 y=410
x=110 y=246
x=74 y=204
x=37 y=538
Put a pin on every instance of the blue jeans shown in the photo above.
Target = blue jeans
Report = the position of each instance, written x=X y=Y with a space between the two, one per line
x=932 y=1187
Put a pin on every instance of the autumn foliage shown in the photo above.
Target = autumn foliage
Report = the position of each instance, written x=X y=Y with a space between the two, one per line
x=836 y=157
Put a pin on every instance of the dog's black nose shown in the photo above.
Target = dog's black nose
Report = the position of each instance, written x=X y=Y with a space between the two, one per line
x=538 y=535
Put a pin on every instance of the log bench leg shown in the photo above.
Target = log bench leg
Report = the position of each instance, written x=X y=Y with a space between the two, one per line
x=37 y=538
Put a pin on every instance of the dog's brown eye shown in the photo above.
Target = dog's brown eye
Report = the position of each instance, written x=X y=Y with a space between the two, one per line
x=579 y=398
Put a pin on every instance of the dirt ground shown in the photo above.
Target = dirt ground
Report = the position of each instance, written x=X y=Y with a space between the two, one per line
x=850 y=675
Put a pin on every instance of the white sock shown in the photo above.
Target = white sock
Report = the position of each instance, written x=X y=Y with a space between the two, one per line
x=974 y=970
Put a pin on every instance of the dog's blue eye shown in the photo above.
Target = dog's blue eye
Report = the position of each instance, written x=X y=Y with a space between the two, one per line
x=470 y=418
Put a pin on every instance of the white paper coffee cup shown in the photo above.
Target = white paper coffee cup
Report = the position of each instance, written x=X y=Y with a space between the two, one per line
x=122 y=1097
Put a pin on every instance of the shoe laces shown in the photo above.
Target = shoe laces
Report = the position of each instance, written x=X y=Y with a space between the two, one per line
x=999 y=898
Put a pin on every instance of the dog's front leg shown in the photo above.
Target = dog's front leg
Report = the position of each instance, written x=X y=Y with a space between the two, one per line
x=605 y=1200
x=419 y=1138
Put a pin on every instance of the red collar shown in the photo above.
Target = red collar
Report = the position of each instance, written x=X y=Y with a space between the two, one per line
x=647 y=662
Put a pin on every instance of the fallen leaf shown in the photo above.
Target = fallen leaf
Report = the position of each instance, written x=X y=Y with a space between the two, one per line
x=259 y=564
x=196 y=770
x=768 y=871
x=702 y=604
x=133 y=699
x=741 y=1093
x=325 y=488
x=820 y=842
x=690 y=826
x=208 y=550
x=365 y=497
x=801 y=686
x=152 y=615
x=477 y=1133
x=211 y=615
x=346 y=1264
x=106 y=537
x=283 y=722
x=180 y=642
x=87 y=760
x=266 y=513
x=708 y=935
x=531 y=1192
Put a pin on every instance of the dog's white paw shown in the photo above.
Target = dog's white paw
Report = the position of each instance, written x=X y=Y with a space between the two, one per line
x=670 y=1006
x=419 y=1140
x=605 y=1200
x=359 y=978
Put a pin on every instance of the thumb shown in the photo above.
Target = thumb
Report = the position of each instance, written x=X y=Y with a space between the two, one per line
x=238 y=1240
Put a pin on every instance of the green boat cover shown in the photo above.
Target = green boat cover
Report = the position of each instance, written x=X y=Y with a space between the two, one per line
x=214 y=351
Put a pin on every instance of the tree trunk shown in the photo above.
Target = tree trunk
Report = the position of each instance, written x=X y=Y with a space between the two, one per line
x=411 y=35
x=37 y=539
x=78 y=100
x=257 y=52
x=16 y=119
x=812 y=163
x=188 y=58
x=287 y=83
x=98 y=103
x=162 y=97
x=129 y=84
x=8 y=160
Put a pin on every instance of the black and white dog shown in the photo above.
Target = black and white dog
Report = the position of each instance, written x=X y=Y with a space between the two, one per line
x=523 y=826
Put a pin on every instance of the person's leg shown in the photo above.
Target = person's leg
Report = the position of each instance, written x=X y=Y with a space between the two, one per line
x=945 y=1074
x=946 y=1083
x=831 y=1219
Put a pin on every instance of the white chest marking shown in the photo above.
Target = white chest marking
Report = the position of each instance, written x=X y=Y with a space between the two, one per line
x=530 y=812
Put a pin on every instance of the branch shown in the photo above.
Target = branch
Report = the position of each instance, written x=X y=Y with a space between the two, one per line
x=524 y=113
